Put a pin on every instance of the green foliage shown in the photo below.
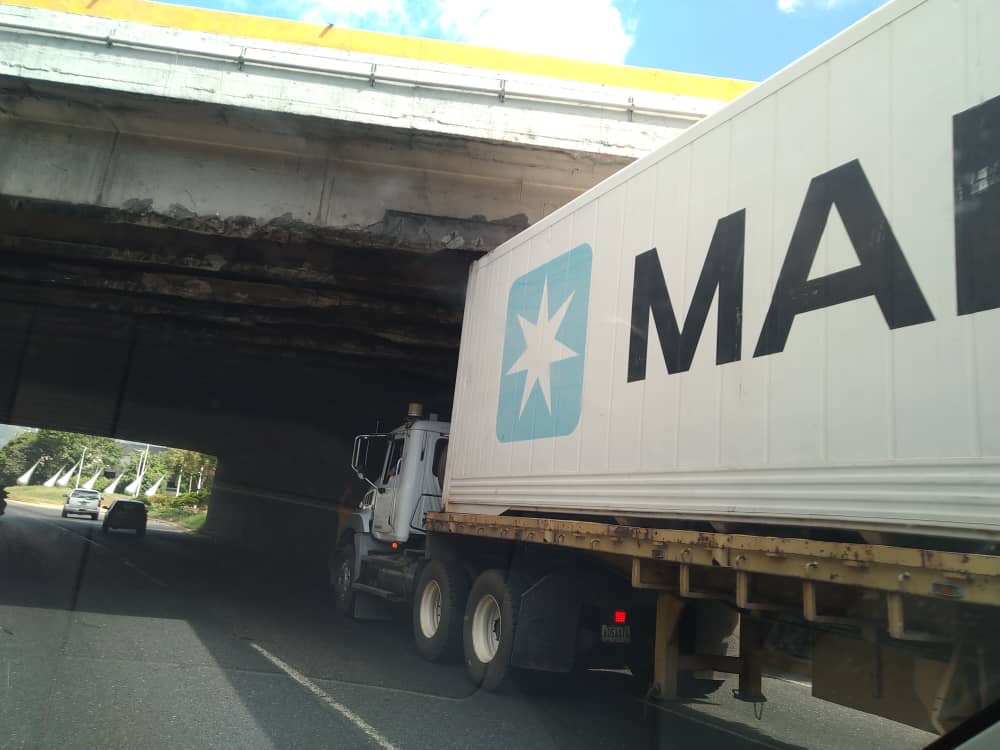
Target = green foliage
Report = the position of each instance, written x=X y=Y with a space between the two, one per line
x=13 y=458
x=188 y=510
x=170 y=463
x=186 y=500
x=56 y=449
x=63 y=449
x=189 y=519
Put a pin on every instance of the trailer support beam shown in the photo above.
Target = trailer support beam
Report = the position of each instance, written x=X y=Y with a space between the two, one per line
x=750 y=687
x=666 y=658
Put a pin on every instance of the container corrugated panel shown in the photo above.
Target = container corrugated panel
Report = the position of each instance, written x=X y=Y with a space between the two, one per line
x=843 y=220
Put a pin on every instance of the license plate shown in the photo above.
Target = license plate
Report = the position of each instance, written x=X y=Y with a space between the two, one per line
x=616 y=634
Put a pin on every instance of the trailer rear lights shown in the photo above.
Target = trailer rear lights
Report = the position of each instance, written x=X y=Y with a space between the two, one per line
x=395 y=545
x=620 y=616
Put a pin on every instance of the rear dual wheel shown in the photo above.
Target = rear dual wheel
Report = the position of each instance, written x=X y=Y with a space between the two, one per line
x=489 y=627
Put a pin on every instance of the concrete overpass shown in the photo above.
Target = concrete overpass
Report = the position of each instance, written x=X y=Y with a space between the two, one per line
x=250 y=237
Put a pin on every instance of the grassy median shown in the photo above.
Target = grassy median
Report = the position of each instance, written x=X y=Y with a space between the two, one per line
x=39 y=494
x=189 y=519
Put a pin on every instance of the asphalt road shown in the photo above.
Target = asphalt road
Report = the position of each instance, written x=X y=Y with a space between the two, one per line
x=176 y=641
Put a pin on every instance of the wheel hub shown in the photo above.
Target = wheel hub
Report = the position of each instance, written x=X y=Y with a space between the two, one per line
x=430 y=609
x=486 y=629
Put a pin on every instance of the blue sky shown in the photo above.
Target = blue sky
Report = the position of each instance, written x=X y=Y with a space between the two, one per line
x=748 y=39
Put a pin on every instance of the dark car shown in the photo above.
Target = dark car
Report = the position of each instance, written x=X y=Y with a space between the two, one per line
x=3 y=500
x=126 y=514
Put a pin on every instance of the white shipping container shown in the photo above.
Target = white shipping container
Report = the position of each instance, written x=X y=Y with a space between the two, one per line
x=837 y=232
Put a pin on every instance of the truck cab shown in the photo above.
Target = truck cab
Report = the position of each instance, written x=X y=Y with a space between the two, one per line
x=404 y=469
x=378 y=554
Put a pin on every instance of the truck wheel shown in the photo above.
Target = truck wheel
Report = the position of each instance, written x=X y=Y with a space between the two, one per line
x=488 y=632
x=342 y=576
x=438 y=608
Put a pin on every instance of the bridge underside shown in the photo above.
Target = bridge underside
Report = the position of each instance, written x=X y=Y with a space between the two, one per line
x=257 y=286
x=282 y=288
x=269 y=345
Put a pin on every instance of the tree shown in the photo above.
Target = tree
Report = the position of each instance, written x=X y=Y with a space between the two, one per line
x=63 y=449
x=169 y=463
x=55 y=449
x=14 y=459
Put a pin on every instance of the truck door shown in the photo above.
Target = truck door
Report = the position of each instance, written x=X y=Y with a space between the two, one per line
x=385 y=502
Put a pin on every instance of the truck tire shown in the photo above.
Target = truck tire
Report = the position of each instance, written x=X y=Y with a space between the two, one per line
x=438 y=610
x=342 y=578
x=489 y=625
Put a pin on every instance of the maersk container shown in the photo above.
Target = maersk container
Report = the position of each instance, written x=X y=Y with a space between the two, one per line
x=790 y=314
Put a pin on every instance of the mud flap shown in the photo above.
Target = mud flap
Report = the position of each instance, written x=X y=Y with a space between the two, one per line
x=547 y=622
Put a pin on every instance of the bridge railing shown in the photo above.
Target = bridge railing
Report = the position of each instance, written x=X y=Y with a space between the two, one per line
x=503 y=86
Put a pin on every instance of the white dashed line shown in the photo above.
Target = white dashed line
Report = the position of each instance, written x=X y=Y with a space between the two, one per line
x=113 y=553
x=139 y=570
x=373 y=734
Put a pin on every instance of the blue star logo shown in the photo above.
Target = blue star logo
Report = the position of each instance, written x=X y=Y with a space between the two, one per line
x=541 y=378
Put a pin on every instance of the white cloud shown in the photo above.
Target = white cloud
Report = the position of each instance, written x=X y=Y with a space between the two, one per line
x=791 y=6
x=582 y=29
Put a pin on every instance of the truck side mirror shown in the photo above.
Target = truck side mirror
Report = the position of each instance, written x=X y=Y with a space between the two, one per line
x=359 y=456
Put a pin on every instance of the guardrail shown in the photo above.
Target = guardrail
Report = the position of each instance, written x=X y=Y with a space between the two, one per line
x=501 y=88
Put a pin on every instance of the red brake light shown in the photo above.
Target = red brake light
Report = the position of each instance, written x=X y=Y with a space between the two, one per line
x=620 y=616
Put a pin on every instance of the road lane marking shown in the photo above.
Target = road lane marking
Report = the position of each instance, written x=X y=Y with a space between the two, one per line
x=125 y=561
x=109 y=550
x=371 y=732
x=140 y=571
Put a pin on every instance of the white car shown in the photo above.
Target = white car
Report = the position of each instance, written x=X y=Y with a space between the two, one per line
x=82 y=502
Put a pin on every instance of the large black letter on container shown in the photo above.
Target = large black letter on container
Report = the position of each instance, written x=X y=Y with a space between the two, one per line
x=882 y=272
x=976 y=134
x=723 y=270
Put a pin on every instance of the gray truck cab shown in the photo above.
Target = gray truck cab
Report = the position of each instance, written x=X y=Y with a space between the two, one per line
x=404 y=469
x=378 y=556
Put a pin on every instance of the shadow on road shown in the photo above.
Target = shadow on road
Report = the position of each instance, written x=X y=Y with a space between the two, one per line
x=230 y=598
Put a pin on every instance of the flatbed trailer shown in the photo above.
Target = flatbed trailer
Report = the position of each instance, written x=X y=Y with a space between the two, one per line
x=905 y=633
